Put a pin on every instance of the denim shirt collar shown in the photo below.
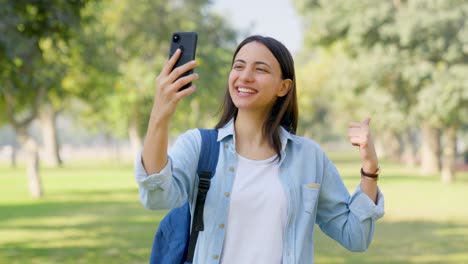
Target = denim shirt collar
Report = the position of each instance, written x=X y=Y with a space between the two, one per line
x=228 y=130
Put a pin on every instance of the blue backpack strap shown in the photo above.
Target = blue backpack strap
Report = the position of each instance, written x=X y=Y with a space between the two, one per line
x=209 y=152
x=207 y=162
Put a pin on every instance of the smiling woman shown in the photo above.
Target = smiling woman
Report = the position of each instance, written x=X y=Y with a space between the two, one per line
x=266 y=74
x=271 y=186
x=265 y=68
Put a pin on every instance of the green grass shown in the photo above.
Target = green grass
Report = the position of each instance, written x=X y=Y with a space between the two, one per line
x=91 y=214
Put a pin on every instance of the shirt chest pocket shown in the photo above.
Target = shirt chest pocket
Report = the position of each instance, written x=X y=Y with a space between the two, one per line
x=310 y=194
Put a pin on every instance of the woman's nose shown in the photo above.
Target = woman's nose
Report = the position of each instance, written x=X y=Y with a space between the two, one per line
x=246 y=75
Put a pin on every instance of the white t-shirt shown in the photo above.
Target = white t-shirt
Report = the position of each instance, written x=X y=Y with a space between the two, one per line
x=257 y=214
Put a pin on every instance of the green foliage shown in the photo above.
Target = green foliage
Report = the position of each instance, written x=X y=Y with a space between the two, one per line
x=131 y=45
x=32 y=33
x=398 y=60
x=445 y=99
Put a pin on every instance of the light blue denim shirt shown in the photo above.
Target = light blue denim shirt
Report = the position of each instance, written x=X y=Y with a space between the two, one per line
x=314 y=189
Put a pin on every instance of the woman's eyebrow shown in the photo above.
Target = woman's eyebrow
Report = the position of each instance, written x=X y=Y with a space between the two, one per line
x=263 y=63
x=241 y=61
x=257 y=62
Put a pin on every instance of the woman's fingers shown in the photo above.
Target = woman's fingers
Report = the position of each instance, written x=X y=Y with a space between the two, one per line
x=185 y=92
x=359 y=133
x=358 y=141
x=168 y=85
x=177 y=72
x=172 y=82
x=355 y=124
x=358 y=130
x=364 y=122
x=183 y=81
x=169 y=65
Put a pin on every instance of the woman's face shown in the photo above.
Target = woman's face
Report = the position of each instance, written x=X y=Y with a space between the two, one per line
x=255 y=80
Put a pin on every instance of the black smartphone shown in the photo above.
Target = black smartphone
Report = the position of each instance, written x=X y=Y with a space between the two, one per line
x=187 y=42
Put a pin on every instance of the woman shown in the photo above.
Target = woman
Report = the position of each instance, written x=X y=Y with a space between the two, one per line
x=271 y=187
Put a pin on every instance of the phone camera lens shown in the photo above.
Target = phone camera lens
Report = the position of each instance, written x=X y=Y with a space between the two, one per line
x=176 y=38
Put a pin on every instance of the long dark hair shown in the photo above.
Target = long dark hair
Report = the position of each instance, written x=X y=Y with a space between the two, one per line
x=285 y=111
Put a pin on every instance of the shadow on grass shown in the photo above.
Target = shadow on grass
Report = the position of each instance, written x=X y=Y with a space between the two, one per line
x=403 y=242
x=123 y=252
x=69 y=202
x=461 y=178
x=122 y=232
x=95 y=231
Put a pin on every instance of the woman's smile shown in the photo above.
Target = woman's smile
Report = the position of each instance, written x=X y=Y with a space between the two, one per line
x=246 y=91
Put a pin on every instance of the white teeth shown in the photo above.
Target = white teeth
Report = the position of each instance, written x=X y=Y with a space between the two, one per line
x=246 y=90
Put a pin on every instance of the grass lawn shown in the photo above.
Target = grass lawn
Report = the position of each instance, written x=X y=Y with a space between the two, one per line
x=91 y=214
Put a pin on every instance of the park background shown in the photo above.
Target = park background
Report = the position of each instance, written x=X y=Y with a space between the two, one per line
x=77 y=85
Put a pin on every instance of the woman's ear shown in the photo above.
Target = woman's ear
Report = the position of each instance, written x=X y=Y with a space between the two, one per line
x=286 y=85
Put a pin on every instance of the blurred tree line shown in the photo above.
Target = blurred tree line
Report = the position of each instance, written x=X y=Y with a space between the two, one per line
x=402 y=62
x=405 y=63
x=33 y=34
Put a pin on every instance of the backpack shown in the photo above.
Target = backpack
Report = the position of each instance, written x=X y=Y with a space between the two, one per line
x=173 y=243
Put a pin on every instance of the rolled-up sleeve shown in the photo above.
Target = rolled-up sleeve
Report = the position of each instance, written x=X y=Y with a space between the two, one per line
x=350 y=220
x=151 y=182
x=363 y=207
x=174 y=183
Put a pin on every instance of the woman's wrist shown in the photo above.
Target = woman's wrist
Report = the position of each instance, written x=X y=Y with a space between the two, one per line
x=158 y=119
x=370 y=166
x=374 y=175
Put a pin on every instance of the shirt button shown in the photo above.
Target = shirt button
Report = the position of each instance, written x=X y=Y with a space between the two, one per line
x=226 y=145
x=215 y=256
x=231 y=169
x=221 y=226
x=226 y=194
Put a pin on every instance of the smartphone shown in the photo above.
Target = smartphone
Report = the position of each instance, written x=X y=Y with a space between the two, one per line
x=187 y=42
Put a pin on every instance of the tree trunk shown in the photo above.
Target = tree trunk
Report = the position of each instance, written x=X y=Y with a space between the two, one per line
x=47 y=117
x=13 y=156
x=112 y=148
x=392 y=146
x=32 y=161
x=409 y=149
x=26 y=141
x=430 y=149
x=194 y=116
x=449 y=155
x=134 y=134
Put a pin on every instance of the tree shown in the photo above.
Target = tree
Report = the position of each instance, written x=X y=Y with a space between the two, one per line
x=348 y=33
x=397 y=53
x=437 y=32
x=25 y=27
x=55 y=99
x=442 y=103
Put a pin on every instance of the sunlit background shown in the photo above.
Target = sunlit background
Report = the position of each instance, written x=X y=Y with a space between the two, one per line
x=77 y=86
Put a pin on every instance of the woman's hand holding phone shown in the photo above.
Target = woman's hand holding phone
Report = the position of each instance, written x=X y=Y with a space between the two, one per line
x=168 y=94
x=168 y=87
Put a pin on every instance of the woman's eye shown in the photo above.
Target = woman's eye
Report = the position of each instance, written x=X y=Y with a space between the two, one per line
x=261 y=70
x=237 y=67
